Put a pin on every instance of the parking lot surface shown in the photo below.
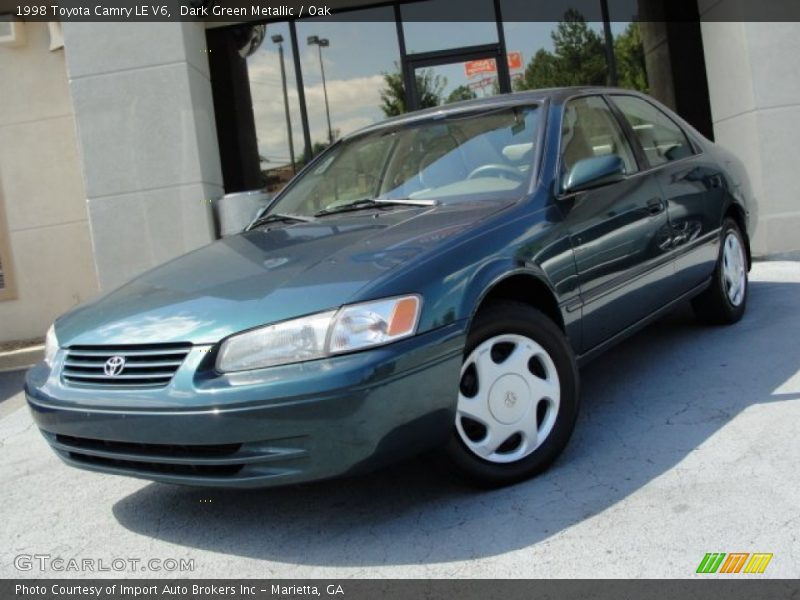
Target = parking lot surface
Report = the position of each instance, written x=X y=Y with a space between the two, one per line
x=687 y=443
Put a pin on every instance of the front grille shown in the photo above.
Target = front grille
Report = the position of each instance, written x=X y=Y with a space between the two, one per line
x=159 y=468
x=144 y=366
x=200 y=459
x=176 y=450
x=184 y=462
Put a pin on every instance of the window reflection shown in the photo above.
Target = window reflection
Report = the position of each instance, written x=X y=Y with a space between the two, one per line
x=568 y=52
x=266 y=89
x=548 y=44
x=478 y=156
x=632 y=34
x=426 y=27
x=356 y=59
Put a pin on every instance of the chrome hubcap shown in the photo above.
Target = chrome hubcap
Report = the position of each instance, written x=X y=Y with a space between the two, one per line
x=508 y=398
x=734 y=274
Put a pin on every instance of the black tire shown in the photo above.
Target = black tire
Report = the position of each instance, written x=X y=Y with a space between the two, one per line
x=520 y=319
x=714 y=306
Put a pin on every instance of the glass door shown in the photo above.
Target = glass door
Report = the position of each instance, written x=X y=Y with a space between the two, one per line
x=445 y=77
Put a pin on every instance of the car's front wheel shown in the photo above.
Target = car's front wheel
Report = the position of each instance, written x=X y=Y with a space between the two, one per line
x=518 y=396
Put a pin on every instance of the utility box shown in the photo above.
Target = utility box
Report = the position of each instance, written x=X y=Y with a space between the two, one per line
x=235 y=211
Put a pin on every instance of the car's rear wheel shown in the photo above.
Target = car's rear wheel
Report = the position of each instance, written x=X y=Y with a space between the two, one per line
x=518 y=396
x=725 y=300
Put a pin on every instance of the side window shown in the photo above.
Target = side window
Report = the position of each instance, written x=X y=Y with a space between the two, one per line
x=661 y=138
x=589 y=129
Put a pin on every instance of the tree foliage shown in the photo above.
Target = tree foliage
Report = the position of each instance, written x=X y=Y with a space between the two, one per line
x=629 y=53
x=462 y=92
x=393 y=96
x=579 y=58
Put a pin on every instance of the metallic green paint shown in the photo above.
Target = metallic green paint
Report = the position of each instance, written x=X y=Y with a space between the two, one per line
x=609 y=258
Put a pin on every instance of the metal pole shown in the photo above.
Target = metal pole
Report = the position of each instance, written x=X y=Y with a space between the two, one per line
x=286 y=109
x=325 y=92
x=613 y=78
x=503 y=74
x=301 y=94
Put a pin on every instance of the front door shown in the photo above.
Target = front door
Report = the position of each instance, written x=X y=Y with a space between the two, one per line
x=619 y=232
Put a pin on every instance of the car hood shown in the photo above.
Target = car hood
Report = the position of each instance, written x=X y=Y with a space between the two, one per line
x=265 y=275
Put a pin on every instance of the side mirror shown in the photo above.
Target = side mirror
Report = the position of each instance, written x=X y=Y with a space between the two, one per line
x=594 y=172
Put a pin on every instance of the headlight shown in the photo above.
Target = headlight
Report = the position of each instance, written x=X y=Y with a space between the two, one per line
x=50 y=345
x=373 y=323
x=350 y=328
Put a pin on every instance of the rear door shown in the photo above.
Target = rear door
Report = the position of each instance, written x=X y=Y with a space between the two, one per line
x=692 y=186
x=619 y=231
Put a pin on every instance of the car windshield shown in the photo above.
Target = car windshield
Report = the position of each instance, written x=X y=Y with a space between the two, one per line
x=460 y=157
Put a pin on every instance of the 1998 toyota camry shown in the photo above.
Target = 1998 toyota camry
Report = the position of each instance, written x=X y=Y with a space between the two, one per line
x=431 y=281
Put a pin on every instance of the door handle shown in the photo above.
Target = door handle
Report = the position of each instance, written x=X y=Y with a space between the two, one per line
x=655 y=206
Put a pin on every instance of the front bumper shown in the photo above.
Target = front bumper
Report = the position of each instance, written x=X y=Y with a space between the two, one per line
x=288 y=424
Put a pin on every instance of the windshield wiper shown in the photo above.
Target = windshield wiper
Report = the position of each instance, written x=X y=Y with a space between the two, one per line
x=276 y=217
x=366 y=203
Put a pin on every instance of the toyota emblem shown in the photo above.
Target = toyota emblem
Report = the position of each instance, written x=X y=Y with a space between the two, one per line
x=114 y=366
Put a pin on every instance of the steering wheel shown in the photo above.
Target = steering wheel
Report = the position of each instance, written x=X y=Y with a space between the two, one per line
x=483 y=170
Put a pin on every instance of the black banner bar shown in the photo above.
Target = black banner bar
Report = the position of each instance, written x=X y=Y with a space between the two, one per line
x=735 y=588
x=382 y=10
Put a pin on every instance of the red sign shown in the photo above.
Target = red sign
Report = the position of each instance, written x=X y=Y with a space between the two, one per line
x=514 y=61
x=476 y=67
x=488 y=65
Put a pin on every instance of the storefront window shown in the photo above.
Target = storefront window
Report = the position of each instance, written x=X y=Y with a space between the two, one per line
x=353 y=73
x=570 y=51
x=658 y=50
x=426 y=27
x=280 y=140
x=633 y=31
x=464 y=80
x=629 y=56
x=358 y=61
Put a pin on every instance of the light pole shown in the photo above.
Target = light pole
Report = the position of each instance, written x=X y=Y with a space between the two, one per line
x=321 y=43
x=278 y=39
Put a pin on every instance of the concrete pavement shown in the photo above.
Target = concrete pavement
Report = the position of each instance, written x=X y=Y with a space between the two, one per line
x=687 y=443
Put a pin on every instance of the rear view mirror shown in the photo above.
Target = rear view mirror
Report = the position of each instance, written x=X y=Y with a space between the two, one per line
x=594 y=172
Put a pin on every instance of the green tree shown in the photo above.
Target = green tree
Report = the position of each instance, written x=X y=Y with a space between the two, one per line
x=316 y=147
x=578 y=57
x=393 y=96
x=629 y=53
x=462 y=92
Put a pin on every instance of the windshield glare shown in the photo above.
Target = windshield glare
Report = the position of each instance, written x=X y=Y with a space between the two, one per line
x=475 y=156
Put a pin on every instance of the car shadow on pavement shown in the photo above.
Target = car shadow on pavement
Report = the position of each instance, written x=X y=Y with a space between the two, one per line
x=648 y=404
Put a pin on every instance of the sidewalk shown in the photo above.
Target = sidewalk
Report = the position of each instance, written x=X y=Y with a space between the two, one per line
x=20 y=354
x=686 y=444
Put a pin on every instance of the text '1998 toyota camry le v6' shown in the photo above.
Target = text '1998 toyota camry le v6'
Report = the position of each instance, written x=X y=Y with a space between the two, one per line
x=431 y=281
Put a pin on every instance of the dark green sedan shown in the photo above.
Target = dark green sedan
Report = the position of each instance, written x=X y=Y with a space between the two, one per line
x=430 y=282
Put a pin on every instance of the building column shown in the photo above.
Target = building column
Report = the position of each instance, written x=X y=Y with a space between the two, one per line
x=148 y=145
x=755 y=107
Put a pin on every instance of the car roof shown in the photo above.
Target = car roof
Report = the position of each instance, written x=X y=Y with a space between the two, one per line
x=555 y=95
